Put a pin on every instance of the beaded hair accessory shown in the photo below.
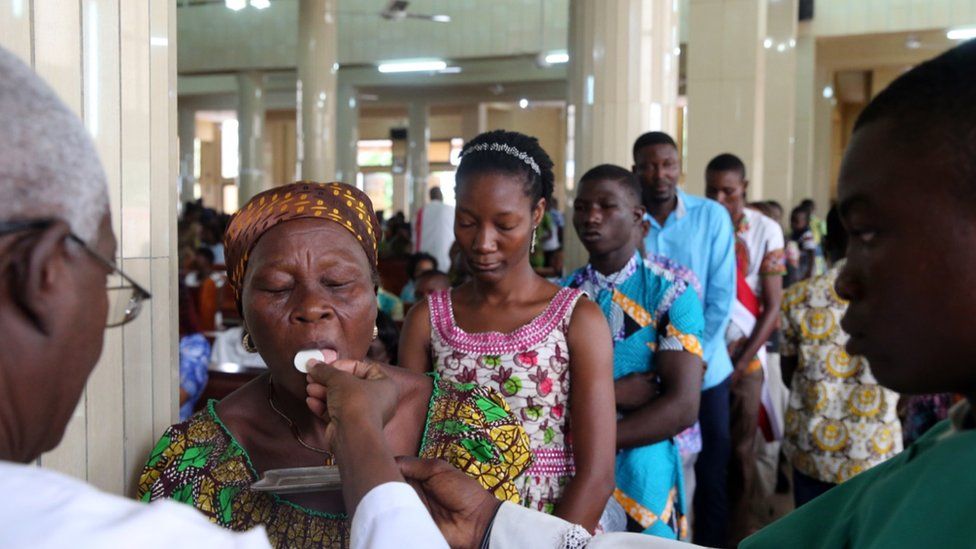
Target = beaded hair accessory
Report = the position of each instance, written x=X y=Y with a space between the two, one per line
x=507 y=149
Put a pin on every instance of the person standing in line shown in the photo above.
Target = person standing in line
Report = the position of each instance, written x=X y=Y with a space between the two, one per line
x=656 y=322
x=760 y=266
x=839 y=422
x=546 y=348
x=696 y=232
x=434 y=228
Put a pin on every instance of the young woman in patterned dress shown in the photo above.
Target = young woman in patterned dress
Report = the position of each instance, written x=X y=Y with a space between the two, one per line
x=548 y=351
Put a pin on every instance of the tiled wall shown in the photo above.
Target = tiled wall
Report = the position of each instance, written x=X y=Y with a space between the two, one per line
x=113 y=62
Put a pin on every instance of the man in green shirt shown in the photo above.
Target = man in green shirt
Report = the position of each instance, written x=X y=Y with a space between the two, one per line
x=907 y=195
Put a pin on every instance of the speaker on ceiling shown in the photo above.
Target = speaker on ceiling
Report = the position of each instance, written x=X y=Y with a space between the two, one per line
x=806 y=10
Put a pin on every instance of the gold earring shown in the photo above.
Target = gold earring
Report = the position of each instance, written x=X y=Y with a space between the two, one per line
x=247 y=343
x=532 y=247
x=376 y=333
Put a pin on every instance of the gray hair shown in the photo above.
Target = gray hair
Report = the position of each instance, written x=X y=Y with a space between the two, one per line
x=48 y=164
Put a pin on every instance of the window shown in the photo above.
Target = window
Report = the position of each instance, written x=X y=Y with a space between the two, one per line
x=374 y=152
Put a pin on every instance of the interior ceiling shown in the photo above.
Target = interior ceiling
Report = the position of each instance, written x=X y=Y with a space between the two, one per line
x=873 y=51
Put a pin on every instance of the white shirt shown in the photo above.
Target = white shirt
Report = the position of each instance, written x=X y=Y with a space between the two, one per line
x=435 y=233
x=764 y=239
x=391 y=516
x=42 y=508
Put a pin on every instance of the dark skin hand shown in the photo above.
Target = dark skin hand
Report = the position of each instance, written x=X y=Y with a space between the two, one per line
x=356 y=399
x=461 y=508
x=295 y=298
x=493 y=229
x=910 y=270
x=673 y=410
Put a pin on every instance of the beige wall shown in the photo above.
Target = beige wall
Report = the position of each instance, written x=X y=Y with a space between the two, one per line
x=113 y=63
x=547 y=123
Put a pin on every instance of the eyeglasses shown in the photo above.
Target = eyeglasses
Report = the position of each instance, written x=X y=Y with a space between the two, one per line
x=125 y=298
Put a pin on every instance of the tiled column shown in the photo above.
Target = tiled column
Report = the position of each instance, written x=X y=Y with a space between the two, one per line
x=806 y=98
x=726 y=86
x=250 y=135
x=187 y=131
x=418 y=138
x=114 y=64
x=317 y=66
x=347 y=134
x=623 y=81
x=780 y=109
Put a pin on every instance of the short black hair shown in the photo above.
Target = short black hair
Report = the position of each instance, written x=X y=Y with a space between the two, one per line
x=935 y=102
x=835 y=241
x=775 y=204
x=414 y=259
x=207 y=253
x=477 y=157
x=652 y=138
x=727 y=162
x=612 y=172
x=808 y=205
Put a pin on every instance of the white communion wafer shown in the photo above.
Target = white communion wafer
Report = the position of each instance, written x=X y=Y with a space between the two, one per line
x=302 y=358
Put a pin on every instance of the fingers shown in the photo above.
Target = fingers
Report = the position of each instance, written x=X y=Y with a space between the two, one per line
x=356 y=368
x=318 y=407
x=413 y=468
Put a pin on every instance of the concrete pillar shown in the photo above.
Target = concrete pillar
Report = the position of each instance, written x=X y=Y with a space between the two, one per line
x=623 y=81
x=250 y=132
x=316 y=89
x=187 y=128
x=726 y=86
x=418 y=139
x=806 y=98
x=780 y=106
x=347 y=134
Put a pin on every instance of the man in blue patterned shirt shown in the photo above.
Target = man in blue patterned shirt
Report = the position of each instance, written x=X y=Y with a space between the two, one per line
x=656 y=321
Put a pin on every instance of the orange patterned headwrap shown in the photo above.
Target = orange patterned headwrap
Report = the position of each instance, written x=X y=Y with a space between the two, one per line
x=335 y=202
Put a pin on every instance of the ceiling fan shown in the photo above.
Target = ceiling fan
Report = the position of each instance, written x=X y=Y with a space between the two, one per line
x=396 y=10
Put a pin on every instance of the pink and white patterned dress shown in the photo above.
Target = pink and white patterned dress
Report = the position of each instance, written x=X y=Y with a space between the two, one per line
x=530 y=367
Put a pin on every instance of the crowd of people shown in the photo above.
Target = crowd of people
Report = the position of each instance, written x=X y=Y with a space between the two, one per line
x=636 y=401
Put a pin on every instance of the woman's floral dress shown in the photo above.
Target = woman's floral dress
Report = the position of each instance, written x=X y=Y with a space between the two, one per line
x=530 y=367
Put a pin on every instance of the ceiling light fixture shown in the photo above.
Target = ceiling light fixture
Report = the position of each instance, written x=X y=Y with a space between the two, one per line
x=416 y=65
x=441 y=18
x=557 y=57
x=236 y=5
x=523 y=103
x=964 y=33
x=260 y=4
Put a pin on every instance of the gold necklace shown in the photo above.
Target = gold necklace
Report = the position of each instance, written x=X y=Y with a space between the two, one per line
x=329 y=460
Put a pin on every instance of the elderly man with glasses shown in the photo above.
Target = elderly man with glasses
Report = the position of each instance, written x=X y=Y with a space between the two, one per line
x=59 y=290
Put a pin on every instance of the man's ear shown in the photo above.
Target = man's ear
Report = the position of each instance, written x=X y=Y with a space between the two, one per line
x=38 y=271
x=640 y=211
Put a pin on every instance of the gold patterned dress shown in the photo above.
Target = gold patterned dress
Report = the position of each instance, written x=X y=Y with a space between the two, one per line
x=200 y=463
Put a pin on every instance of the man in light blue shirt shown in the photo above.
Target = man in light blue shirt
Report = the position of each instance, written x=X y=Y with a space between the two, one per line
x=697 y=233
